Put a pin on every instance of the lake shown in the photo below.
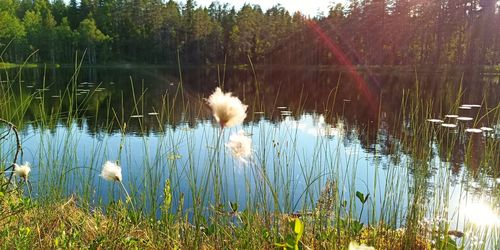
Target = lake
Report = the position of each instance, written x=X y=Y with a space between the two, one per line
x=308 y=126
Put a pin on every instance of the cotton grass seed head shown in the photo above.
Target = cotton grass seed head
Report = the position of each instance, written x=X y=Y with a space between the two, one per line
x=227 y=109
x=355 y=246
x=240 y=146
x=23 y=170
x=111 y=171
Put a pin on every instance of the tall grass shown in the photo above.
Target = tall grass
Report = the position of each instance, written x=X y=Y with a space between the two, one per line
x=189 y=193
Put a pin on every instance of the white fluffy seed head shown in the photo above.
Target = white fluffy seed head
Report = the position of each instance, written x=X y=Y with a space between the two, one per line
x=23 y=170
x=355 y=246
x=227 y=110
x=240 y=146
x=111 y=171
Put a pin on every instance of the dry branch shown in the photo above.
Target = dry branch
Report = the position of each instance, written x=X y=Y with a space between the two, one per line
x=12 y=127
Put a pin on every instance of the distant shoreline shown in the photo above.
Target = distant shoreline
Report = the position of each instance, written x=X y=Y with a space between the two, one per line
x=374 y=68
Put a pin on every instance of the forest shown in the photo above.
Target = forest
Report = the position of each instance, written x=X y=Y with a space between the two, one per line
x=361 y=32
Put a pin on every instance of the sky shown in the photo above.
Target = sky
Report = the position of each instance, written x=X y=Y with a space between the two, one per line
x=307 y=7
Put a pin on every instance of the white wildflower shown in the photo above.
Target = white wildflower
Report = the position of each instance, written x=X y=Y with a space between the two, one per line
x=23 y=170
x=240 y=145
x=111 y=171
x=228 y=110
x=355 y=246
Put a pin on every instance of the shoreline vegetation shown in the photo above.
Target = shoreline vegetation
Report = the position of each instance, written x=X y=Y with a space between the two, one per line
x=340 y=68
x=6 y=65
x=398 y=32
x=27 y=224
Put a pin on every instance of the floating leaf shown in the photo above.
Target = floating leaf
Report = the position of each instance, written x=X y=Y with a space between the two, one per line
x=435 y=120
x=463 y=118
x=449 y=125
x=471 y=105
x=486 y=129
x=473 y=130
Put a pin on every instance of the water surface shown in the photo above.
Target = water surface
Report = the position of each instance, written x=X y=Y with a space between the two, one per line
x=307 y=126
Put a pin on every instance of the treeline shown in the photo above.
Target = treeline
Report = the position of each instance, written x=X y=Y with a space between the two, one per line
x=375 y=32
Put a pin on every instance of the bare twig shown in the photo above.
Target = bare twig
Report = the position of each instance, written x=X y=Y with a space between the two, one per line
x=18 y=148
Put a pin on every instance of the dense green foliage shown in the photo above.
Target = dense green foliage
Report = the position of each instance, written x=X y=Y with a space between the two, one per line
x=465 y=32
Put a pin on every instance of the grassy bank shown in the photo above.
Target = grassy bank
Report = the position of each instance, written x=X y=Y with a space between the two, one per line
x=27 y=224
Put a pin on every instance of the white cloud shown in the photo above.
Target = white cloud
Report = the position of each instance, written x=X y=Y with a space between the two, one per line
x=308 y=8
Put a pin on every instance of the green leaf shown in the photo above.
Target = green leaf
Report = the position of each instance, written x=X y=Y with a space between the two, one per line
x=209 y=230
x=360 y=196
x=280 y=245
x=168 y=196
x=299 y=227
x=356 y=227
x=298 y=230
x=234 y=206
x=451 y=244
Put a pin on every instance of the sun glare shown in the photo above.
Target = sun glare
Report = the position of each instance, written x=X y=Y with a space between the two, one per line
x=480 y=213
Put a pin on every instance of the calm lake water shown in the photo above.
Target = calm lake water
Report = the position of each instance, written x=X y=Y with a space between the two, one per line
x=307 y=126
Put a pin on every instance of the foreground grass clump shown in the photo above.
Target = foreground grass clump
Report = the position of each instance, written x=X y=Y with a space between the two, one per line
x=67 y=224
x=64 y=224
x=70 y=223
